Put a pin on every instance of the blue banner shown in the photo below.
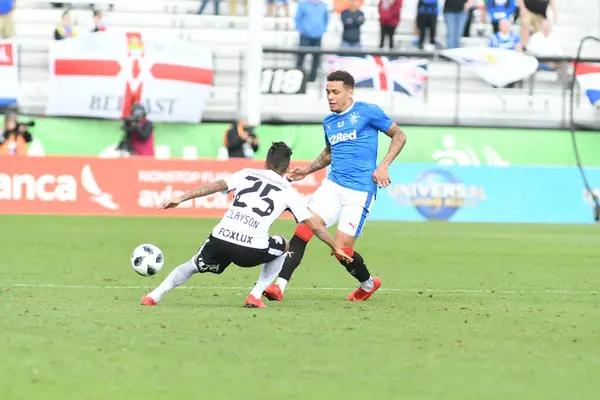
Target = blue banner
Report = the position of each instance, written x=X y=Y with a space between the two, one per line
x=422 y=192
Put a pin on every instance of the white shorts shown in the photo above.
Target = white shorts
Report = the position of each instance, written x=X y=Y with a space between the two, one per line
x=334 y=203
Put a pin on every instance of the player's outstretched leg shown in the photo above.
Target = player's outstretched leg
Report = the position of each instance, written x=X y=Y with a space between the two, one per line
x=177 y=277
x=358 y=269
x=268 y=273
x=302 y=236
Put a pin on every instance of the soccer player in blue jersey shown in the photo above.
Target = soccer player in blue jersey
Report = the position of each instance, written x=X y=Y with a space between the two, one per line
x=347 y=194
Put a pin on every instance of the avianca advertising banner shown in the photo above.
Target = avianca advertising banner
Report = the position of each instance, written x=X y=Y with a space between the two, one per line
x=125 y=186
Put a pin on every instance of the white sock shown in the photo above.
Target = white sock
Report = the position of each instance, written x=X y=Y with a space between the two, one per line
x=268 y=273
x=368 y=285
x=177 y=277
x=282 y=283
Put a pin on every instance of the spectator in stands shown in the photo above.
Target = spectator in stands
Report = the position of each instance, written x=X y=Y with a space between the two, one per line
x=389 y=18
x=469 y=21
x=110 y=6
x=65 y=30
x=139 y=133
x=215 y=6
x=500 y=10
x=99 y=25
x=545 y=44
x=7 y=26
x=312 y=18
x=271 y=7
x=533 y=12
x=14 y=137
x=476 y=5
x=240 y=140
x=427 y=13
x=352 y=19
x=233 y=7
x=341 y=5
x=505 y=38
x=455 y=15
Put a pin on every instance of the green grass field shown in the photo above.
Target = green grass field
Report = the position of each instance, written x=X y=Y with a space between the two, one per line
x=466 y=311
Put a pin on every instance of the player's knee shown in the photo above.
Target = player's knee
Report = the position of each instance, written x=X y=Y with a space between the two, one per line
x=287 y=244
x=344 y=241
x=195 y=261
x=349 y=252
x=304 y=232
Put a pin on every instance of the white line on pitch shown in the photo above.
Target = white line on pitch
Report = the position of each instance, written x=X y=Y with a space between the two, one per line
x=300 y=289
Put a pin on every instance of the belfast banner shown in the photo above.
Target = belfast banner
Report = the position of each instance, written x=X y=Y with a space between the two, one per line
x=101 y=75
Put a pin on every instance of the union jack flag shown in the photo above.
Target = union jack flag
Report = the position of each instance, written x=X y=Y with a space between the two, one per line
x=588 y=76
x=404 y=75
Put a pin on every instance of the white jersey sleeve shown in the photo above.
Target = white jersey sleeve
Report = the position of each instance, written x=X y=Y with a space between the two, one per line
x=297 y=206
x=234 y=181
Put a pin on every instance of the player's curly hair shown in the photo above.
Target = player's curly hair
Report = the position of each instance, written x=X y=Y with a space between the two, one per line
x=278 y=157
x=341 y=76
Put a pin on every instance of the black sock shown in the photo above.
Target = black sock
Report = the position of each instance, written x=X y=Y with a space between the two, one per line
x=357 y=268
x=296 y=252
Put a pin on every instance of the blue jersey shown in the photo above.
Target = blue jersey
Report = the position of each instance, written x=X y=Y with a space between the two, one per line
x=353 y=137
x=508 y=42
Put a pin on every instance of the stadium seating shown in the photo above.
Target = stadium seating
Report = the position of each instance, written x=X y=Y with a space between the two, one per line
x=540 y=104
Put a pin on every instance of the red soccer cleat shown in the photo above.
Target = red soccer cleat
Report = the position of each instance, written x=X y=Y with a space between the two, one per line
x=361 y=294
x=273 y=292
x=253 y=302
x=148 y=301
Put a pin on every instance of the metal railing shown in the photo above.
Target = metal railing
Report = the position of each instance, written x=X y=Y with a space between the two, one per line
x=467 y=100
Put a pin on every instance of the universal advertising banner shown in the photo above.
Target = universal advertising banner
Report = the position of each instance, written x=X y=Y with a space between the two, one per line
x=486 y=194
x=125 y=186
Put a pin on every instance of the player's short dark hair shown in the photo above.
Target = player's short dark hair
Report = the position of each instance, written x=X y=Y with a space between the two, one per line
x=341 y=76
x=278 y=157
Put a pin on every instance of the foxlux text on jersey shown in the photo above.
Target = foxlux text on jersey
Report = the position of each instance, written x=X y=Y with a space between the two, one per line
x=238 y=237
x=342 y=137
x=243 y=218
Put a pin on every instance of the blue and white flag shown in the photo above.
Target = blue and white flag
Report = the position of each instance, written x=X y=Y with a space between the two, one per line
x=498 y=67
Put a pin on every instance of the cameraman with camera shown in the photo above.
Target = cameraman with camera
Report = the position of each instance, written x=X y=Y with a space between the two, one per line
x=240 y=140
x=15 y=136
x=139 y=134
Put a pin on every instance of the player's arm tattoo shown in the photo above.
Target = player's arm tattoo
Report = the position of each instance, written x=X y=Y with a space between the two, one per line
x=204 y=190
x=324 y=236
x=320 y=162
x=398 y=141
x=320 y=232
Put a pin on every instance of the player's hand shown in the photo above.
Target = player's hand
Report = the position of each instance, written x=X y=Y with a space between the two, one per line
x=339 y=254
x=381 y=177
x=295 y=174
x=172 y=203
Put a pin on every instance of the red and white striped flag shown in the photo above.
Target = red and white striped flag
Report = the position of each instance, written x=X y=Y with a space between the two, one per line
x=102 y=74
x=588 y=77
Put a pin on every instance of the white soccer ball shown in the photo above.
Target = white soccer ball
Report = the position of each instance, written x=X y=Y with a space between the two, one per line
x=147 y=259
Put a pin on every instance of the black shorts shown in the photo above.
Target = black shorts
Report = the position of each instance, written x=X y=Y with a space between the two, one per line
x=215 y=254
